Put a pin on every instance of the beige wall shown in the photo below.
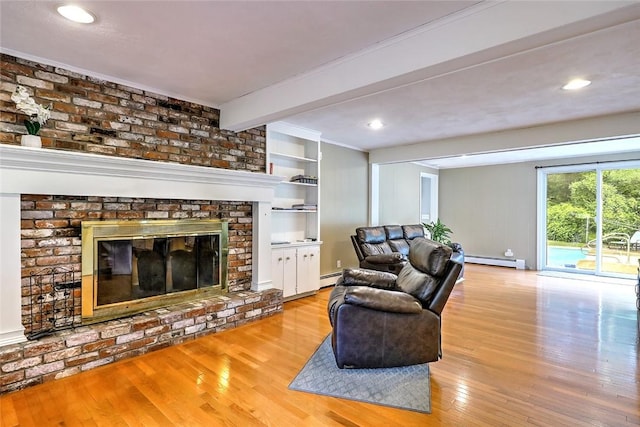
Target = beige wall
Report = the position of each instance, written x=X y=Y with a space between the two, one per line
x=493 y=208
x=344 y=204
x=400 y=193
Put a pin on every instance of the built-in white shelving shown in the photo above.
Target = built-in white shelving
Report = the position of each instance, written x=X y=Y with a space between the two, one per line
x=294 y=152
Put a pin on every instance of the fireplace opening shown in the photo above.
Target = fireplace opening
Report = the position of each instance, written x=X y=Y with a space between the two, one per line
x=139 y=268
x=131 y=266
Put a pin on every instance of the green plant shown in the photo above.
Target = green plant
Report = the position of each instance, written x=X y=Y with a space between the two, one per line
x=438 y=231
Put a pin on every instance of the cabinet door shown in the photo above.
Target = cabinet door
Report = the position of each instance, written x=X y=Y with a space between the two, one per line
x=289 y=275
x=277 y=268
x=308 y=269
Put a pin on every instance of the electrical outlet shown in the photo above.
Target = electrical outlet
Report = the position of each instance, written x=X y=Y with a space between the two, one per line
x=338 y=264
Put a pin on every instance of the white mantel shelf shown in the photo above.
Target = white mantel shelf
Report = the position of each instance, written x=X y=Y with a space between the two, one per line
x=25 y=170
x=44 y=171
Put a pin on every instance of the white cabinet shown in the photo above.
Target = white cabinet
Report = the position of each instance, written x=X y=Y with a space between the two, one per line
x=296 y=270
x=308 y=269
x=283 y=270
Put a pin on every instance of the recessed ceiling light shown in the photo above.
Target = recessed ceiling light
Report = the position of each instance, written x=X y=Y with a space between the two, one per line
x=375 y=124
x=76 y=14
x=576 y=84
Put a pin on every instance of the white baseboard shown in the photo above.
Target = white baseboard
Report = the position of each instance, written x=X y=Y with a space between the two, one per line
x=518 y=264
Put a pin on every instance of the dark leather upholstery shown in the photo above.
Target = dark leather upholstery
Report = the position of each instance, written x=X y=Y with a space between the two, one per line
x=380 y=322
x=385 y=247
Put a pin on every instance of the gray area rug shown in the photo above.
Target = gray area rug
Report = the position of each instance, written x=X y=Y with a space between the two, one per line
x=405 y=388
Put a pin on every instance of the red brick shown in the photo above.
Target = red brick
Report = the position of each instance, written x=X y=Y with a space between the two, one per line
x=13 y=377
x=102 y=98
x=42 y=347
x=98 y=345
x=51 y=223
x=143 y=324
x=167 y=134
x=9 y=354
x=82 y=359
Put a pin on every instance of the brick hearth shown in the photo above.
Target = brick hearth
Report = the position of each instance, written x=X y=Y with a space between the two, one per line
x=73 y=351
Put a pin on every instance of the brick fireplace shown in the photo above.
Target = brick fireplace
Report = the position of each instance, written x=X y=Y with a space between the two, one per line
x=31 y=176
x=113 y=151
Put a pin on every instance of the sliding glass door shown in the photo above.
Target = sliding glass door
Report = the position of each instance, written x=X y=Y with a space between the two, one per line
x=589 y=218
x=620 y=194
x=570 y=220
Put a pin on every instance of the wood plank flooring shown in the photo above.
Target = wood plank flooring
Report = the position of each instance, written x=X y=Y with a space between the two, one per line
x=519 y=349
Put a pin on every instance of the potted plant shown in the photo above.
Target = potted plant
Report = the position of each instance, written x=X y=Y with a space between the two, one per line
x=439 y=232
x=38 y=115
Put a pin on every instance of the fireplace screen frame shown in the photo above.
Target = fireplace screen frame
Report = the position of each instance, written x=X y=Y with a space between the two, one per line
x=94 y=232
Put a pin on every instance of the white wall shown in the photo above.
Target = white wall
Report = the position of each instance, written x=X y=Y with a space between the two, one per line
x=399 y=193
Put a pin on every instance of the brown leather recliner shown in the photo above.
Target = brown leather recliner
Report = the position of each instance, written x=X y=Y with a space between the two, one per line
x=381 y=320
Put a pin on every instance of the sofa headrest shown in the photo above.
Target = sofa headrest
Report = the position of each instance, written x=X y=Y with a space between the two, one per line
x=394 y=232
x=421 y=277
x=428 y=256
x=371 y=234
x=410 y=232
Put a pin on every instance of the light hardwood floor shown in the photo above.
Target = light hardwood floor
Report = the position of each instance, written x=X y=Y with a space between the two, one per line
x=519 y=349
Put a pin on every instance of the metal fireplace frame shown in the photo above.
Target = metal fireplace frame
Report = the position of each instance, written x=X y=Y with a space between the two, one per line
x=96 y=231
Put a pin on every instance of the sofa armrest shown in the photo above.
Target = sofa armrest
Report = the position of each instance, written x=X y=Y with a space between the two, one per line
x=364 y=277
x=456 y=247
x=392 y=258
x=382 y=300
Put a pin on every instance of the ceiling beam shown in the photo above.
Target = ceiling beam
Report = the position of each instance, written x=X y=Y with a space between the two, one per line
x=616 y=126
x=486 y=31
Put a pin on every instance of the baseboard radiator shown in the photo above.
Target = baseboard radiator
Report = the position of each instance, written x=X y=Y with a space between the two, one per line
x=518 y=264
x=329 y=279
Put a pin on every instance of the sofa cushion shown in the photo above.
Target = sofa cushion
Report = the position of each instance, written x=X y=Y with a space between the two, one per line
x=399 y=245
x=369 y=249
x=410 y=232
x=394 y=232
x=416 y=283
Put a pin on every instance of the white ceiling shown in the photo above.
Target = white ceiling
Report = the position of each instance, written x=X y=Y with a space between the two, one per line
x=429 y=69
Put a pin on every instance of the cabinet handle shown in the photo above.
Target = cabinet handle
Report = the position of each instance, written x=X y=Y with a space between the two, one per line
x=279 y=259
x=305 y=255
x=311 y=255
x=288 y=258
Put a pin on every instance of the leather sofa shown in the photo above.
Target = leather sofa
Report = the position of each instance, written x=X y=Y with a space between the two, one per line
x=382 y=320
x=385 y=247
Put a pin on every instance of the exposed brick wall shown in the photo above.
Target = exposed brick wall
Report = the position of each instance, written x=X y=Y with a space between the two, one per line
x=73 y=351
x=98 y=116
x=51 y=226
